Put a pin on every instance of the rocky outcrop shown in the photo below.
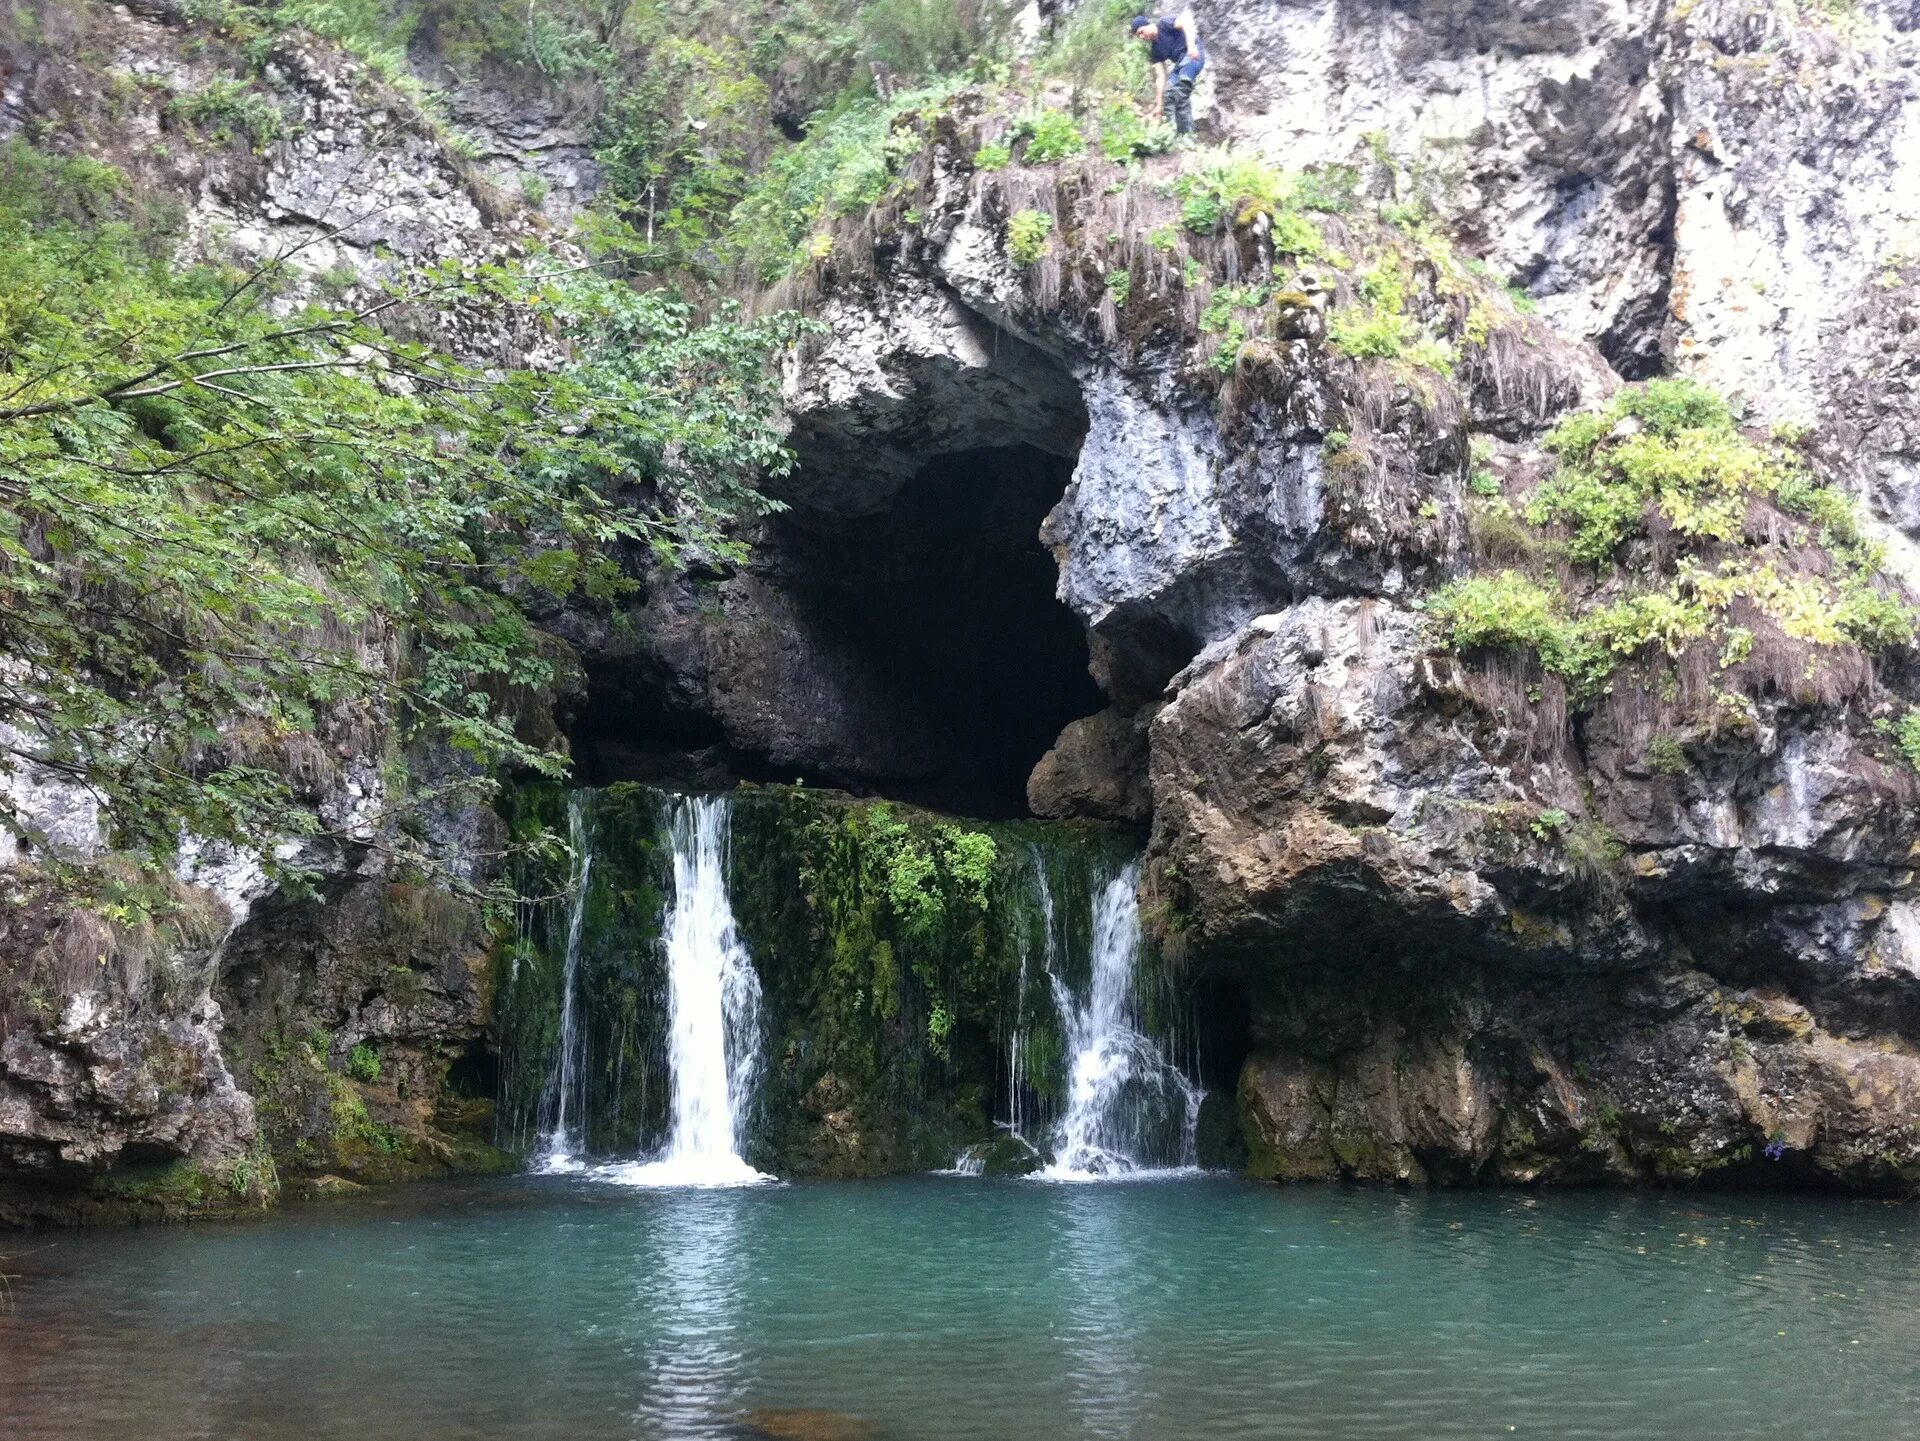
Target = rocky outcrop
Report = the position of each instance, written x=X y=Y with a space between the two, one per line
x=1486 y=930
x=1481 y=929
x=1720 y=187
x=114 y=1092
x=1693 y=962
x=158 y=1050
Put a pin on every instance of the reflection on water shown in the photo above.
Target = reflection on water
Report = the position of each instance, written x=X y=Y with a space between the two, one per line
x=1099 y=1330
x=554 y=1309
x=690 y=1288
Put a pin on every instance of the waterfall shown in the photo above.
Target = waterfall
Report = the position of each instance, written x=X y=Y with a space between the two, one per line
x=1129 y=1107
x=563 y=1102
x=713 y=995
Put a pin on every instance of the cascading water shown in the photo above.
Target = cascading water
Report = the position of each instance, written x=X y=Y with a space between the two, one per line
x=563 y=1103
x=713 y=1049
x=1129 y=1107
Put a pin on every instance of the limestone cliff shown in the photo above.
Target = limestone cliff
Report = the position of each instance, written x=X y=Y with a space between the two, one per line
x=1488 y=928
x=1128 y=491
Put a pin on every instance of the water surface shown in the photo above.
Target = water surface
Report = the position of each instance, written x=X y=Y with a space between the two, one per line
x=554 y=1307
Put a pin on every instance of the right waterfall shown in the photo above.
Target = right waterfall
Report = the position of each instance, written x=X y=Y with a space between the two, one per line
x=1129 y=1107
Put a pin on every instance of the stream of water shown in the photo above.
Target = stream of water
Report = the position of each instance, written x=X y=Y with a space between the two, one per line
x=563 y=1106
x=713 y=1003
x=551 y=1308
x=1129 y=1107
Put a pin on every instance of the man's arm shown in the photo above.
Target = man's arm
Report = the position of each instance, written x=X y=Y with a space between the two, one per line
x=1160 y=85
x=1189 y=27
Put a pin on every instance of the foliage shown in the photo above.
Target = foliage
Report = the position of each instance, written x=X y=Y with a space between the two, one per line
x=1126 y=135
x=1906 y=733
x=992 y=157
x=1669 y=454
x=678 y=147
x=231 y=523
x=920 y=39
x=1029 y=236
x=1119 y=285
x=225 y=109
x=363 y=1063
x=1050 y=136
x=1093 y=53
x=1511 y=611
x=1665 y=756
x=850 y=158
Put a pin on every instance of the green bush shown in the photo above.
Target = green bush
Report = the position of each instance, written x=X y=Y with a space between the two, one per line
x=992 y=157
x=1029 y=236
x=1671 y=448
x=1050 y=135
x=225 y=109
x=363 y=1063
x=1364 y=334
x=1907 y=734
x=1126 y=136
x=261 y=511
x=1236 y=186
x=1093 y=53
x=850 y=158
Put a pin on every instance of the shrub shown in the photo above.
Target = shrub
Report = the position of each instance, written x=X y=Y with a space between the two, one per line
x=1050 y=135
x=993 y=157
x=851 y=157
x=1294 y=234
x=225 y=109
x=1125 y=135
x=363 y=1063
x=1510 y=611
x=1093 y=53
x=1906 y=733
x=918 y=39
x=1363 y=334
x=1665 y=757
x=1120 y=286
x=1671 y=448
x=1239 y=189
x=1029 y=236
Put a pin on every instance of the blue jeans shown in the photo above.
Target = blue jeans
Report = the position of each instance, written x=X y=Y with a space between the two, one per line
x=1179 y=101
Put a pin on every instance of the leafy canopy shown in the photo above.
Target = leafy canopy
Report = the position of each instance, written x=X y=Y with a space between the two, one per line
x=240 y=534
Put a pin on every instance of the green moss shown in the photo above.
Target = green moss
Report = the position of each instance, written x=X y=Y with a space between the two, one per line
x=177 y=1186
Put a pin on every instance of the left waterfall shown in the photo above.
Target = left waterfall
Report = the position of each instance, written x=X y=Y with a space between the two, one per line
x=713 y=997
x=563 y=1105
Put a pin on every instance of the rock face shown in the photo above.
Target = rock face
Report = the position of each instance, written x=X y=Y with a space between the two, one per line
x=1444 y=989
x=1476 y=934
x=1480 y=934
x=1725 y=188
x=111 y=1058
x=186 y=1044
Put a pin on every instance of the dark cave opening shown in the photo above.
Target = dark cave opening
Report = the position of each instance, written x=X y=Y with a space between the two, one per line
x=947 y=598
x=1222 y=1031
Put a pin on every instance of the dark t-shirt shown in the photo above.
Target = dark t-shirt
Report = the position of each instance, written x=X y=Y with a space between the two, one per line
x=1170 y=42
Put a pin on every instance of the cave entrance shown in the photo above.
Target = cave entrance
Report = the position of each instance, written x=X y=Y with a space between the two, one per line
x=949 y=596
